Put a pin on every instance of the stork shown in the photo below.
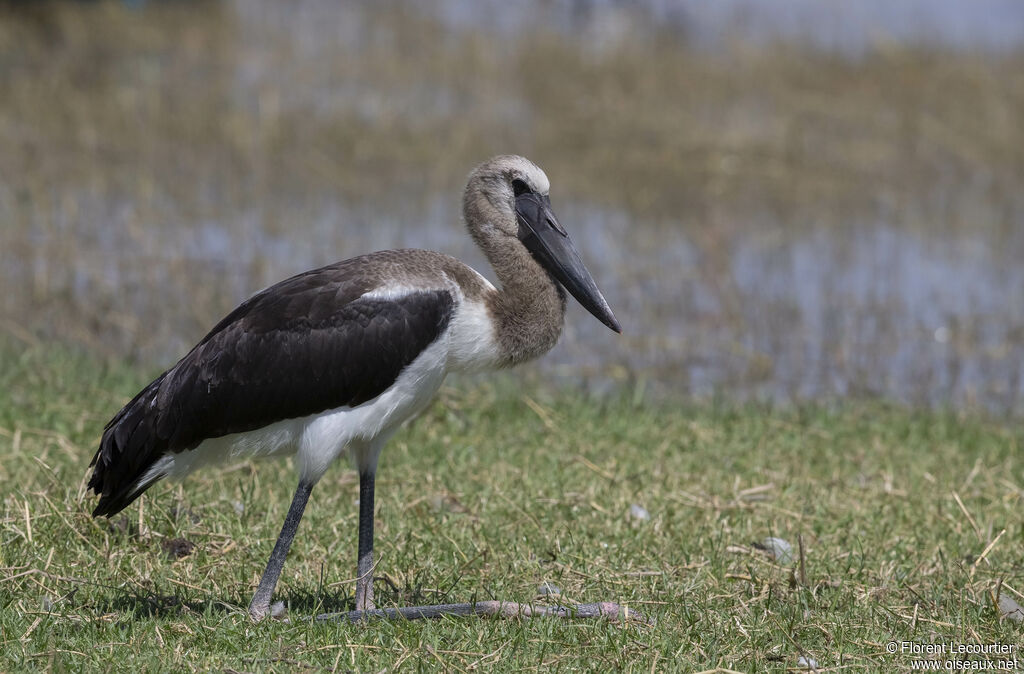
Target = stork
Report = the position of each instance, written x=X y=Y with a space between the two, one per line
x=333 y=361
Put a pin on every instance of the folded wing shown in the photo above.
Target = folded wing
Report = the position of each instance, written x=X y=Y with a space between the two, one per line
x=311 y=343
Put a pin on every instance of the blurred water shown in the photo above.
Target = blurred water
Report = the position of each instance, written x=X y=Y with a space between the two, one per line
x=866 y=310
x=848 y=27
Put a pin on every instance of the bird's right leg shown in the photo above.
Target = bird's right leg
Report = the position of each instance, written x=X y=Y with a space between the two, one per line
x=259 y=607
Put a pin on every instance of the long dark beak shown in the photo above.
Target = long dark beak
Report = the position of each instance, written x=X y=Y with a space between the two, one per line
x=551 y=246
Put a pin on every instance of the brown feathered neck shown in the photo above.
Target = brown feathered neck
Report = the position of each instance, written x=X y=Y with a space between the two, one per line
x=528 y=307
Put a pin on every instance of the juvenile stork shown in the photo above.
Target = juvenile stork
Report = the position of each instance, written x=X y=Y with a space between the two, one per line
x=334 y=360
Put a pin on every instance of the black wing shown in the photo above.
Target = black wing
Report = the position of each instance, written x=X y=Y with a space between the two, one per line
x=306 y=345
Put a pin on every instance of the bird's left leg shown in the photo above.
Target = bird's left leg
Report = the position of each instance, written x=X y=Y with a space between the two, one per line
x=259 y=607
x=364 y=571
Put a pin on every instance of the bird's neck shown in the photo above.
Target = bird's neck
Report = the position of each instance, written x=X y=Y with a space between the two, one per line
x=528 y=309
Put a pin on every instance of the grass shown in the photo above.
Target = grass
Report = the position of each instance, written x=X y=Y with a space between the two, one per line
x=904 y=525
x=909 y=521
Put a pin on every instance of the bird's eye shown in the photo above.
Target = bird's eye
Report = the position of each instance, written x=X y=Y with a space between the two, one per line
x=519 y=187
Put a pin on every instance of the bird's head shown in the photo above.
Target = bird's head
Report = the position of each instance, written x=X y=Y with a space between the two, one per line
x=507 y=197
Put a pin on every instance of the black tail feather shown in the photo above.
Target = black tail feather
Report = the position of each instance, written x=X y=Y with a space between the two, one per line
x=129 y=448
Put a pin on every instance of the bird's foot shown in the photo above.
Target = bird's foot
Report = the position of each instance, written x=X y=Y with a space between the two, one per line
x=277 y=611
x=500 y=609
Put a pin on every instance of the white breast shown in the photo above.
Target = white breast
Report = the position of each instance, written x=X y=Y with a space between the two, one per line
x=472 y=345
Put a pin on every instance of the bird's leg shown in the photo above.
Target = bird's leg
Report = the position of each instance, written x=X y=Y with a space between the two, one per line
x=259 y=607
x=364 y=571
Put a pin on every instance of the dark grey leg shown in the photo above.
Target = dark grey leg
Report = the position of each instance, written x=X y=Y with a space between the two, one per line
x=259 y=607
x=364 y=572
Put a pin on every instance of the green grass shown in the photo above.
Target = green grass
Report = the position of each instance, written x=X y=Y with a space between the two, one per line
x=494 y=492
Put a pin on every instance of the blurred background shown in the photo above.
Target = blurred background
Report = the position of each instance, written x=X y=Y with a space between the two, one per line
x=783 y=200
